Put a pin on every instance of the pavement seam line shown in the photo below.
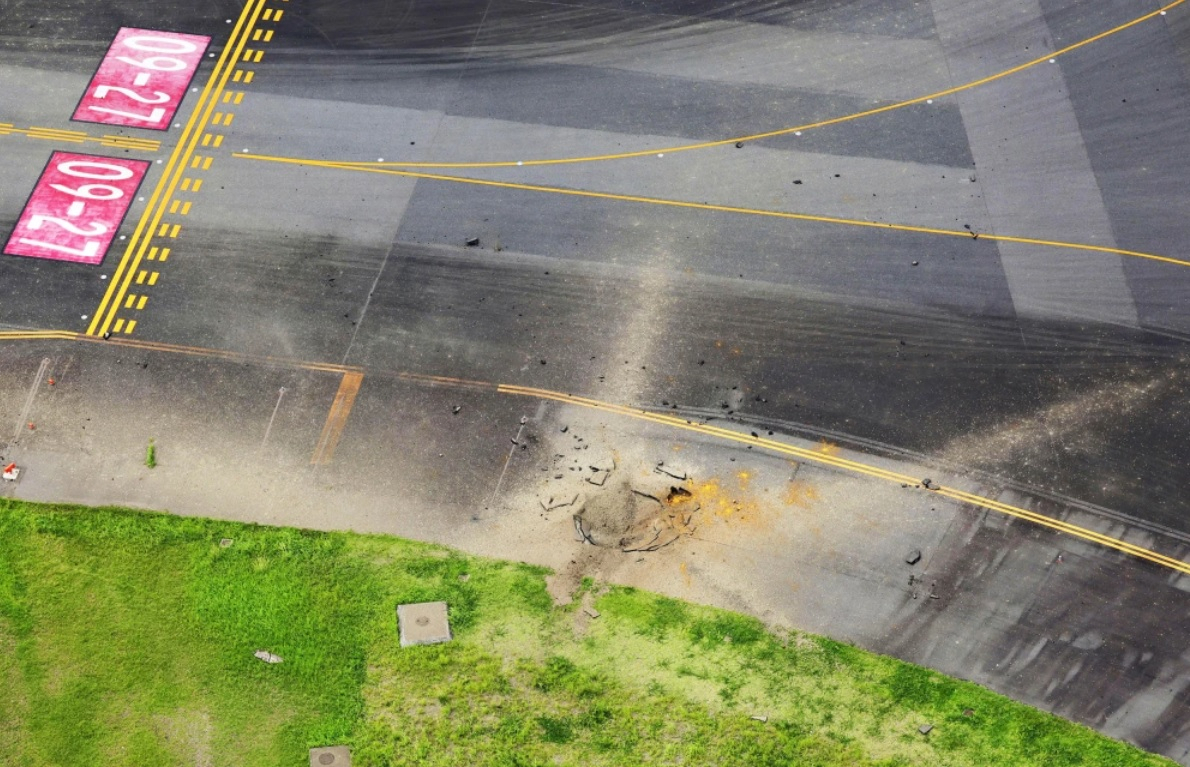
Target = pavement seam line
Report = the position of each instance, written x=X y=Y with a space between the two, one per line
x=142 y=236
x=797 y=128
x=718 y=208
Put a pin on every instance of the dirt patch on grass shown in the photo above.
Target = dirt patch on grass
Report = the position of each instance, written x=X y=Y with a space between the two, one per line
x=188 y=734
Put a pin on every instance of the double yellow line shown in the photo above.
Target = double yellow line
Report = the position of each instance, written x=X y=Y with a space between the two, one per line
x=858 y=468
x=167 y=184
x=60 y=136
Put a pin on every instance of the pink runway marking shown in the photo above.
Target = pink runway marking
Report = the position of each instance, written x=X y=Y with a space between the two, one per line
x=76 y=208
x=142 y=79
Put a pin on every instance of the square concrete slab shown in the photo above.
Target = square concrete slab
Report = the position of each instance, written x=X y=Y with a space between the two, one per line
x=423 y=623
x=330 y=756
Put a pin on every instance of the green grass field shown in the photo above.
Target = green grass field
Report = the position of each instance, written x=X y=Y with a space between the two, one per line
x=126 y=638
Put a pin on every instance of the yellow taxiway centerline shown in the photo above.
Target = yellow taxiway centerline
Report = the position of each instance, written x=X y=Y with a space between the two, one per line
x=796 y=128
x=334 y=165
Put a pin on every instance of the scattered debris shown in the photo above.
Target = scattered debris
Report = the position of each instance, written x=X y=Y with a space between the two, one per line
x=456 y=409
x=267 y=656
x=591 y=612
x=925 y=729
x=225 y=542
x=11 y=472
x=913 y=263
x=580 y=532
x=565 y=429
x=760 y=717
x=677 y=474
x=968 y=712
x=739 y=145
x=598 y=478
x=472 y=242
x=557 y=502
x=913 y=557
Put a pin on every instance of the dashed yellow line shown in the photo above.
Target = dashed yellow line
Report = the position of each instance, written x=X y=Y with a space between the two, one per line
x=796 y=129
x=718 y=208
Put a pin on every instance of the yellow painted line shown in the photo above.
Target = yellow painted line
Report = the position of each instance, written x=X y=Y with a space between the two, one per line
x=119 y=326
x=80 y=137
x=195 y=125
x=59 y=132
x=163 y=230
x=247 y=55
x=239 y=97
x=797 y=128
x=63 y=139
x=239 y=73
x=268 y=14
x=256 y=34
x=258 y=57
x=38 y=335
x=718 y=208
x=217 y=119
x=218 y=140
x=336 y=419
x=173 y=208
x=206 y=163
x=153 y=278
x=130 y=326
x=186 y=184
x=277 y=15
x=140 y=277
x=173 y=233
x=131 y=300
x=197 y=184
x=860 y=468
x=163 y=255
x=141 y=303
x=206 y=140
x=268 y=36
x=248 y=77
x=227 y=118
x=186 y=208
x=153 y=254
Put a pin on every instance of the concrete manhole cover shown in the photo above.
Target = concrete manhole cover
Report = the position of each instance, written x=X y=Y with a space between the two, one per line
x=330 y=756
x=423 y=623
